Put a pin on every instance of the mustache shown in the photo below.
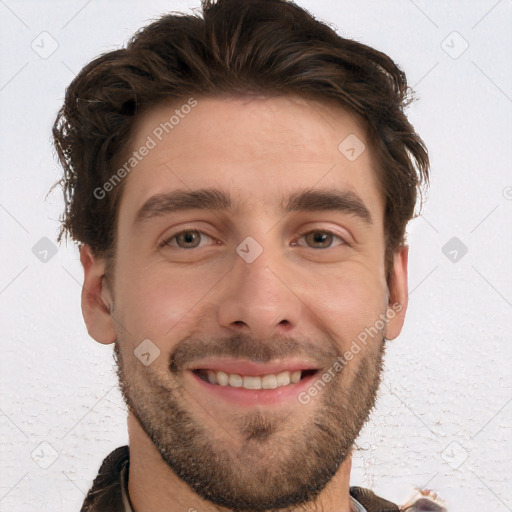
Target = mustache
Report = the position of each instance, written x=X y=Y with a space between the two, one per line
x=243 y=346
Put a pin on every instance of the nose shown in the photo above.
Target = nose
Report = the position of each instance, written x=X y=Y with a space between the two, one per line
x=259 y=298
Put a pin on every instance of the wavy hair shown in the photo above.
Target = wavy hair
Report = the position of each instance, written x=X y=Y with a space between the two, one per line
x=234 y=47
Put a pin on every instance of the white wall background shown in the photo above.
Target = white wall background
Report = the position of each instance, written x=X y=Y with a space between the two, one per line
x=444 y=415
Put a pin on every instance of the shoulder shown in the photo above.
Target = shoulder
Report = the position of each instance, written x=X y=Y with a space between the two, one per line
x=371 y=502
x=105 y=493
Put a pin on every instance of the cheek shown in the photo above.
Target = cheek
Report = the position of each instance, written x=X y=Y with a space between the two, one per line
x=161 y=305
x=349 y=302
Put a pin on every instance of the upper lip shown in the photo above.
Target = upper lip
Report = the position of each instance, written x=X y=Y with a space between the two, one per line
x=250 y=368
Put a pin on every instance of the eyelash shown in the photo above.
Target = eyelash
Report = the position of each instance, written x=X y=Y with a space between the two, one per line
x=167 y=241
x=325 y=231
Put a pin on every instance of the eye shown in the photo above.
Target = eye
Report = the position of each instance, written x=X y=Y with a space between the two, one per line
x=191 y=239
x=320 y=238
x=185 y=239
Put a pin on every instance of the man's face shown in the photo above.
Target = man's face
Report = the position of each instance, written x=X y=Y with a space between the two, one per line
x=217 y=309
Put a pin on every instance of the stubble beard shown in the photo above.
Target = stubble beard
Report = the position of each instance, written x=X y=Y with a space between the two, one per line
x=273 y=462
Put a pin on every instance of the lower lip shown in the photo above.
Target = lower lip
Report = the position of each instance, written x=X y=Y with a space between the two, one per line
x=251 y=397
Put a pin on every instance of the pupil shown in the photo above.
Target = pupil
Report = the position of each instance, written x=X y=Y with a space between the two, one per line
x=188 y=238
x=321 y=238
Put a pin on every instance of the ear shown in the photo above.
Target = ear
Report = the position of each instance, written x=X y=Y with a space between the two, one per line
x=96 y=298
x=398 y=293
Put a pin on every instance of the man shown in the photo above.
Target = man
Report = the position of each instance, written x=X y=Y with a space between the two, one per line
x=239 y=185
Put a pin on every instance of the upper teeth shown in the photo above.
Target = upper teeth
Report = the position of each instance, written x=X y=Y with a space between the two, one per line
x=270 y=381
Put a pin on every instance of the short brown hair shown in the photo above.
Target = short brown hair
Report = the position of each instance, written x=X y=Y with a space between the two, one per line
x=270 y=47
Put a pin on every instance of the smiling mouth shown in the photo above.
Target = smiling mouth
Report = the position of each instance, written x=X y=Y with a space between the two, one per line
x=252 y=382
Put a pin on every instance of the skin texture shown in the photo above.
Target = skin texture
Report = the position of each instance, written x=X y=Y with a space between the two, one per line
x=304 y=296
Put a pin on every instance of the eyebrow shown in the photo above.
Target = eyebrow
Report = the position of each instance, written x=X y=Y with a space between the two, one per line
x=347 y=202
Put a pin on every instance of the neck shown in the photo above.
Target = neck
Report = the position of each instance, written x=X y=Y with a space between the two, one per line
x=154 y=487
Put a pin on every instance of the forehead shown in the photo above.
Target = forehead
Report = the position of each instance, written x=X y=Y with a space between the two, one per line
x=260 y=148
